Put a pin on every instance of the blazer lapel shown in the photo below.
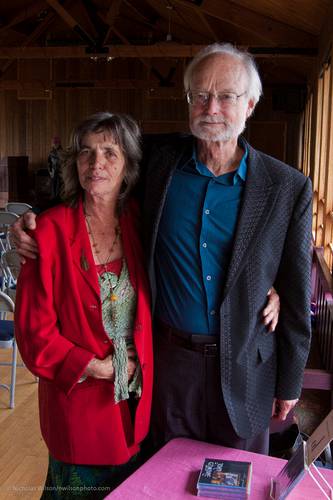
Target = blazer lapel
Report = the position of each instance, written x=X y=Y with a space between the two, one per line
x=260 y=195
x=81 y=249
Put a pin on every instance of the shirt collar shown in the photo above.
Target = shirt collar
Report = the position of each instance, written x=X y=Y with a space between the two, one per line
x=238 y=176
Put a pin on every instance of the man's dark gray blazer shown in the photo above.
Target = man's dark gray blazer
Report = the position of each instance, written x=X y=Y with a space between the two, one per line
x=272 y=246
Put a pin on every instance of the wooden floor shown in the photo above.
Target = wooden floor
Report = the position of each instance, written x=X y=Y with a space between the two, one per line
x=23 y=454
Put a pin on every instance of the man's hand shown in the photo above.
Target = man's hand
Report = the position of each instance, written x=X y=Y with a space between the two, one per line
x=24 y=244
x=281 y=408
x=100 y=368
x=132 y=362
x=271 y=312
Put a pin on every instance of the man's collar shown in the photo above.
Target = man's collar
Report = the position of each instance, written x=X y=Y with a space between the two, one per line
x=239 y=175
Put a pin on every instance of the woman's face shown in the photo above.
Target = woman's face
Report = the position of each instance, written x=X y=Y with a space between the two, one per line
x=100 y=165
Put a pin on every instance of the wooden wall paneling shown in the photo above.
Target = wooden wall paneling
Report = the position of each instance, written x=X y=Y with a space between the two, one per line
x=37 y=140
x=165 y=127
x=134 y=106
x=293 y=139
x=321 y=205
x=307 y=137
x=3 y=182
x=59 y=119
x=270 y=137
x=317 y=151
x=168 y=109
x=328 y=181
x=18 y=178
x=325 y=42
x=3 y=124
x=35 y=79
x=14 y=125
x=267 y=112
x=301 y=152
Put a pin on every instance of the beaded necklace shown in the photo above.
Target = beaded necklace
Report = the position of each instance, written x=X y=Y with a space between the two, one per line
x=106 y=274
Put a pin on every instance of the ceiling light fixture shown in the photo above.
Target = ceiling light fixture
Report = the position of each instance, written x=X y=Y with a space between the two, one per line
x=169 y=35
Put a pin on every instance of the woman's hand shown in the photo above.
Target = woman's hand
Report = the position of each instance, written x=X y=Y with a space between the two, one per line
x=271 y=312
x=24 y=244
x=100 y=368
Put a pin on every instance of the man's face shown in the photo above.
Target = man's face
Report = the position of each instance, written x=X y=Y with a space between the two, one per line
x=220 y=120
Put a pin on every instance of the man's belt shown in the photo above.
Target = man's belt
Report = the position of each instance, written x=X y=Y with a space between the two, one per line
x=205 y=344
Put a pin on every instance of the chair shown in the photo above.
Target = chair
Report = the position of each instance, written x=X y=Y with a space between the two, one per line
x=7 y=341
x=6 y=220
x=17 y=207
x=10 y=265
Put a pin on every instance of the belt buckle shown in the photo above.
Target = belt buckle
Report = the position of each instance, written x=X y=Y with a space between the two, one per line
x=209 y=349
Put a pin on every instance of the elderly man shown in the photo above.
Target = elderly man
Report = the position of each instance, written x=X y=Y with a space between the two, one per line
x=223 y=224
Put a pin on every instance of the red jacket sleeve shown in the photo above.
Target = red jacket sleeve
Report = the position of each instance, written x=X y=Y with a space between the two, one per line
x=45 y=351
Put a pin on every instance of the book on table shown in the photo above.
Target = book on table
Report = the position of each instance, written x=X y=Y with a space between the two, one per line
x=225 y=479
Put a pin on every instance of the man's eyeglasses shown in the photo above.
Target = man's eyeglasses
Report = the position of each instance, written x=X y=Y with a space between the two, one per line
x=201 y=98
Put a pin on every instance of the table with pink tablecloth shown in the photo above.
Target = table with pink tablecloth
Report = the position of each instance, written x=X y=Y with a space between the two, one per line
x=172 y=473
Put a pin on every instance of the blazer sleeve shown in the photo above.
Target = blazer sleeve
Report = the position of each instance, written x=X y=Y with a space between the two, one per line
x=46 y=352
x=293 y=285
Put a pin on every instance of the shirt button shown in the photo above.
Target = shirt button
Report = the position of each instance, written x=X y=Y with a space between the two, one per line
x=208 y=278
x=207 y=211
x=212 y=312
x=204 y=245
x=106 y=341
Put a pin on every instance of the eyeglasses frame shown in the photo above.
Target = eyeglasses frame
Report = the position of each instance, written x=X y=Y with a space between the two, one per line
x=210 y=94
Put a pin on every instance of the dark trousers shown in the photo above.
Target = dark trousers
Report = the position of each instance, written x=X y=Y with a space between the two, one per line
x=188 y=401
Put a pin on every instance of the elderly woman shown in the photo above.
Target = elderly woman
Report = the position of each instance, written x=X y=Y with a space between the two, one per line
x=83 y=321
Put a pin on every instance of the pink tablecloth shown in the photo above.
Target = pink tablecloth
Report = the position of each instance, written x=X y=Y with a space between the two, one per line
x=172 y=473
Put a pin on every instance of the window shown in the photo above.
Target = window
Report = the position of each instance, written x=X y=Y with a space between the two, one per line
x=317 y=159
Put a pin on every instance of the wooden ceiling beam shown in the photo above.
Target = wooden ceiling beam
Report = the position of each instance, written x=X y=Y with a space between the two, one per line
x=204 y=20
x=128 y=44
x=27 y=13
x=31 y=38
x=45 y=87
x=113 y=12
x=121 y=83
x=160 y=50
x=111 y=17
x=71 y=22
x=143 y=18
x=270 y=31
x=89 y=18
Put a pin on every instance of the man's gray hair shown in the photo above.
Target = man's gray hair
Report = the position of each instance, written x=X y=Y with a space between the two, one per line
x=255 y=87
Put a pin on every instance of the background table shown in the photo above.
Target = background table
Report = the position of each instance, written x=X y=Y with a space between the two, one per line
x=172 y=473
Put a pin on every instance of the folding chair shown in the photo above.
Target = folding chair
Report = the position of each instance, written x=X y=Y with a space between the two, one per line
x=10 y=265
x=7 y=341
x=6 y=220
x=17 y=207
